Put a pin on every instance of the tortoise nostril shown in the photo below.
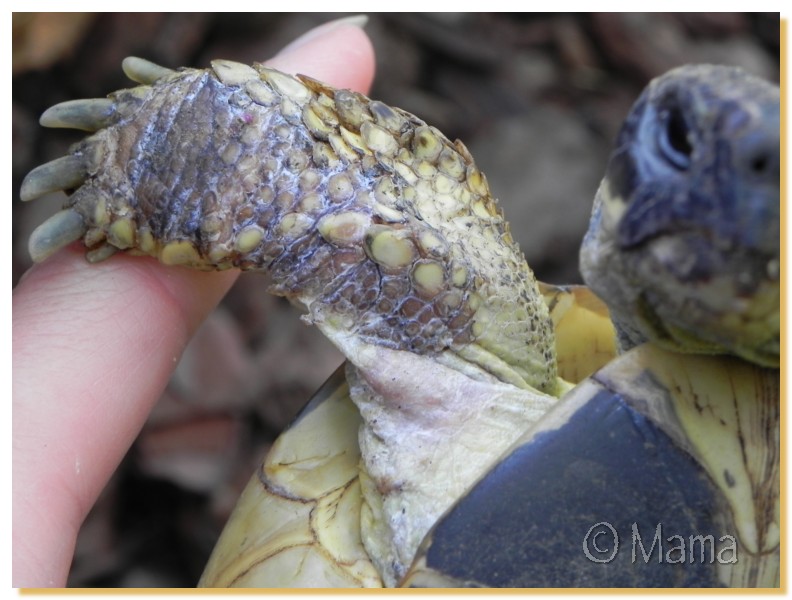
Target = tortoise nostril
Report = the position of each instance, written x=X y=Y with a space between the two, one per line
x=674 y=139
x=678 y=133
x=760 y=163
x=757 y=152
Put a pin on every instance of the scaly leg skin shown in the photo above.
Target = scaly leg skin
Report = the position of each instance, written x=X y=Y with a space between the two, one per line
x=381 y=229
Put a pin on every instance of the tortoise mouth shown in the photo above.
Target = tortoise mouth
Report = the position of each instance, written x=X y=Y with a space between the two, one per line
x=753 y=334
x=697 y=297
x=696 y=256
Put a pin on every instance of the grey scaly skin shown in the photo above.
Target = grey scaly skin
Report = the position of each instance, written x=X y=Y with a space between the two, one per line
x=684 y=240
x=377 y=226
x=358 y=210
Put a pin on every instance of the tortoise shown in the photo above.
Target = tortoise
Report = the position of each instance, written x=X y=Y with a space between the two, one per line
x=385 y=232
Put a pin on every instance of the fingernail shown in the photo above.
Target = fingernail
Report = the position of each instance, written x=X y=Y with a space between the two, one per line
x=354 y=21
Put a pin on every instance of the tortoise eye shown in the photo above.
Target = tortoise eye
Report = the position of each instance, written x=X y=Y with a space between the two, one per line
x=673 y=139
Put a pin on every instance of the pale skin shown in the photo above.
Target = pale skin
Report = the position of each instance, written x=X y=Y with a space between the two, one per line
x=94 y=346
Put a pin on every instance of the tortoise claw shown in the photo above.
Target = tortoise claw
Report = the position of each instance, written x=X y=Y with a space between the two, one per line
x=101 y=253
x=58 y=231
x=64 y=173
x=86 y=115
x=143 y=71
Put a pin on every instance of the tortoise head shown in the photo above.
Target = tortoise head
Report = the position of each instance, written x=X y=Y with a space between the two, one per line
x=684 y=238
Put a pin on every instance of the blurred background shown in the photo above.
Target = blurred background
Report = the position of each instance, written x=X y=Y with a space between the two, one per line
x=537 y=98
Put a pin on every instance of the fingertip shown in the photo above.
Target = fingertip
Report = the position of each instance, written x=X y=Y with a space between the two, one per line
x=341 y=56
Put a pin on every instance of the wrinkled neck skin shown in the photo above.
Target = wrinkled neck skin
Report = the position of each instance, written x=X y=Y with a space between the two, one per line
x=430 y=428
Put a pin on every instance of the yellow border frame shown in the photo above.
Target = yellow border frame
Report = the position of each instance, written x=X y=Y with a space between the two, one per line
x=782 y=589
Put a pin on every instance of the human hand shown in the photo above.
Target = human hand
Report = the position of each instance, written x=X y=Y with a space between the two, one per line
x=94 y=346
